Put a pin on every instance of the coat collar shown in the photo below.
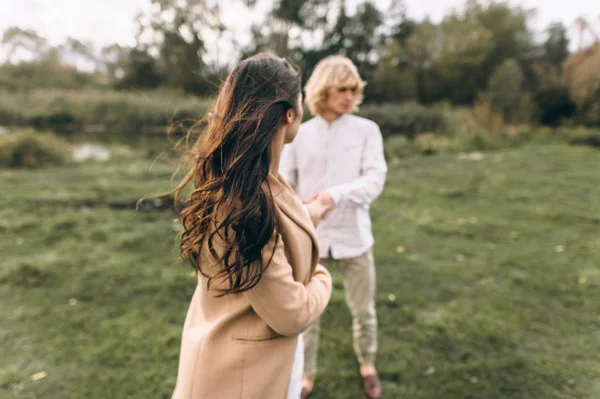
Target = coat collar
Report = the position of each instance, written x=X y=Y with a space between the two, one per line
x=290 y=205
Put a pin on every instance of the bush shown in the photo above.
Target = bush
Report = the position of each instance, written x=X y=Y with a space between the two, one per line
x=29 y=149
x=43 y=74
x=127 y=113
x=589 y=113
x=554 y=105
x=406 y=119
x=430 y=144
x=398 y=147
x=590 y=139
x=131 y=113
x=583 y=80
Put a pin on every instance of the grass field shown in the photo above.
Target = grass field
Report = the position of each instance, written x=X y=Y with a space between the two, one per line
x=488 y=281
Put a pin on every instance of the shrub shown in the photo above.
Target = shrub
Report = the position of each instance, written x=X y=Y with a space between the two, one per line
x=126 y=113
x=505 y=93
x=406 y=119
x=583 y=80
x=398 y=147
x=29 y=149
x=589 y=113
x=554 y=105
x=591 y=139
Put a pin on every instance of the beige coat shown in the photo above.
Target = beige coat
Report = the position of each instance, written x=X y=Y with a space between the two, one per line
x=241 y=346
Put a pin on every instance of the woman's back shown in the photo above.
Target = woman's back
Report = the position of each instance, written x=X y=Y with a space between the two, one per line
x=250 y=240
x=242 y=345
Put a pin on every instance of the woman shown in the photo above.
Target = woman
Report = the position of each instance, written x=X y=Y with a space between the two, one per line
x=251 y=241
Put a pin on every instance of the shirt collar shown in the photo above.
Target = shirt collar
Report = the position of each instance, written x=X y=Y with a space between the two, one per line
x=338 y=122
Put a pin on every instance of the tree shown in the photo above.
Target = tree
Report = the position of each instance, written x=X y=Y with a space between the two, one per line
x=393 y=81
x=114 y=60
x=175 y=31
x=273 y=35
x=420 y=53
x=181 y=62
x=510 y=37
x=504 y=91
x=556 y=46
x=554 y=104
x=33 y=63
x=141 y=71
x=81 y=54
x=287 y=29
x=362 y=38
x=582 y=79
x=464 y=44
x=17 y=39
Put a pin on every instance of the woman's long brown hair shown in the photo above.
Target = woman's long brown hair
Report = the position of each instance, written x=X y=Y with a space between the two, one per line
x=231 y=200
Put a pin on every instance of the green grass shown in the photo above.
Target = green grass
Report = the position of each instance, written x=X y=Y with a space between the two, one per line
x=488 y=281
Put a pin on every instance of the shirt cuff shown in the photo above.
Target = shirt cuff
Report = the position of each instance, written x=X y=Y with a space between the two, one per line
x=336 y=195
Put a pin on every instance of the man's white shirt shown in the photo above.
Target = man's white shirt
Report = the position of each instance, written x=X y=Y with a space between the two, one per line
x=345 y=158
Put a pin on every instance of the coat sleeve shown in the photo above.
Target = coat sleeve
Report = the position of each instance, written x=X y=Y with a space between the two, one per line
x=286 y=305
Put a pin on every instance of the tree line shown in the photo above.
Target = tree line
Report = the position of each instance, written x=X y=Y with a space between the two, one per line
x=486 y=53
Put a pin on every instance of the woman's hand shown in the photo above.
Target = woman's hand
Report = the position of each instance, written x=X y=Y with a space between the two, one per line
x=317 y=210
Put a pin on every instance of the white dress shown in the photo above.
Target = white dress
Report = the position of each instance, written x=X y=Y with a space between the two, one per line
x=295 y=387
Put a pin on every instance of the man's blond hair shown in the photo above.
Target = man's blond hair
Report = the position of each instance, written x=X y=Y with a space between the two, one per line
x=331 y=72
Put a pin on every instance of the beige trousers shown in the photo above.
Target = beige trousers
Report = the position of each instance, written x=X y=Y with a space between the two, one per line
x=358 y=275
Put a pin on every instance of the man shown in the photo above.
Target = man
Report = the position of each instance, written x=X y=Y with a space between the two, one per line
x=337 y=159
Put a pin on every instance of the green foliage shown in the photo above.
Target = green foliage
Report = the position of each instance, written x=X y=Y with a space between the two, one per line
x=483 y=53
x=482 y=141
x=30 y=149
x=47 y=67
x=27 y=76
x=554 y=105
x=431 y=144
x=505 y=92
x=454 y=59
x=357 y=37
x=125 y=113
x=556 y=47
x=589 y=111
x=406 y=119
x=140 y=72
x=583 y=80
x=591 y=139
x=395 y=78
x=182 y=63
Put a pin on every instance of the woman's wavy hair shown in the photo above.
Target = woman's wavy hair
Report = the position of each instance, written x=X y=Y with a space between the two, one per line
x=231 y=200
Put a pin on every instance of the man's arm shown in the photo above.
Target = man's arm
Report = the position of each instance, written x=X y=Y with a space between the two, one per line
x=369 y=185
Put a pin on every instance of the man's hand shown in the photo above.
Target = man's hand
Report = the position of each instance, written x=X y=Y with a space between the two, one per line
x=316 y=210
x=324 y=199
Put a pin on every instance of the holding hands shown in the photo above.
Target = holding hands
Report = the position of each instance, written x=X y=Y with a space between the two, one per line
x=318 y=205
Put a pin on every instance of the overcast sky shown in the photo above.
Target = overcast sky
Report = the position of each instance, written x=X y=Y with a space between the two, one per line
x=108 y=21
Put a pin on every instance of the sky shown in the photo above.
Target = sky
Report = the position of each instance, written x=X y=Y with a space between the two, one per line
x=104 y=22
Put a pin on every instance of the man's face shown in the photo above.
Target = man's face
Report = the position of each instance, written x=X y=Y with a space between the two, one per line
x=341 y=98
